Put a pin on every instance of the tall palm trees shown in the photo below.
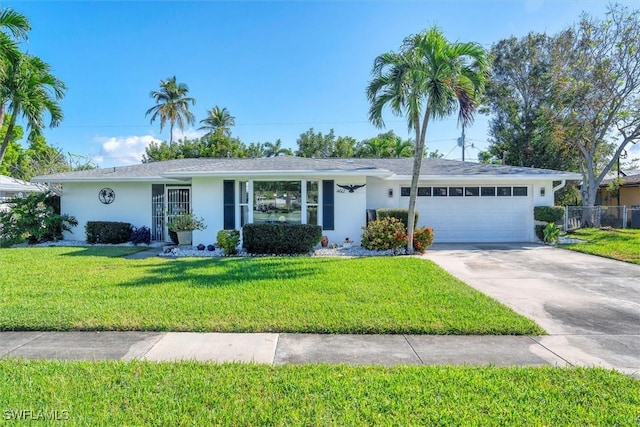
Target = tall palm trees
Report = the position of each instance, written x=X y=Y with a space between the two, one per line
x=219 y=121
x=31 y=90
x=172 y=105
x=13 y=28
x=428 y=78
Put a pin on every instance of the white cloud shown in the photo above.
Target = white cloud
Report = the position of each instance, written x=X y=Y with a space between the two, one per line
x=122 y=150
x=190 y=133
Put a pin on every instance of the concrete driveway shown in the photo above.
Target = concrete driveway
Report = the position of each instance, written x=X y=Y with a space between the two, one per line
x=589 y=306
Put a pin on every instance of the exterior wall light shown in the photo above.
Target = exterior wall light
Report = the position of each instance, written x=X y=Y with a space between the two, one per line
x=391 y=192
x=542 y=191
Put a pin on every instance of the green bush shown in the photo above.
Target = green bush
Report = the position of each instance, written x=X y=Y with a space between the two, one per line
x=551 y=233
x=401 y=214
x=34 y=219
x=548 y=213
x=387 y=233
x=540 y=231
x=280 y=238
x=228 y=241
x=108 y=232
x=422 y=239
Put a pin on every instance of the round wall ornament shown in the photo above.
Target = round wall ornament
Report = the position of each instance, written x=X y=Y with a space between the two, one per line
x=106 y=196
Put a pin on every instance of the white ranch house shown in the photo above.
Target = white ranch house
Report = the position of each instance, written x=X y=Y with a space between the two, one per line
x=462 y=201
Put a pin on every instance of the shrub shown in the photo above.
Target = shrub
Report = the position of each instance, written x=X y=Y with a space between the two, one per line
x=540 y=231
x=548 y=213
x=551 y=233
x=108 y=232
x=34 y=219
x=280 y=238
x=186 y=222
x=422 y=239
x=401 y=214
x=228 y=241
x=140 y=235
x=387 y=233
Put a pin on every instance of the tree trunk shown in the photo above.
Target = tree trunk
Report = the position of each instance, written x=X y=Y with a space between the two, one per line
x=9 y=134
x=171 y=133
x=417 y=164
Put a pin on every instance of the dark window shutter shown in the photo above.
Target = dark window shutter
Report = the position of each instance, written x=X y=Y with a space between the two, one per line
x=229 y=205
x=327 y=205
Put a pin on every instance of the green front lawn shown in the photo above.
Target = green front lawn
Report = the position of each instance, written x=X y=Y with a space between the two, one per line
x=94 y=289
x=189 y=393
x=620 y=244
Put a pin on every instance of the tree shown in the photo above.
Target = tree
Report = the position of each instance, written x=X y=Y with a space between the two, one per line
x=429 y=78
x=596 y=91
x=172 y=105
x=311 y=144
x=31 y=91
x=215 y=145
x=518 y=94
x=386 y=144
x=256 y=150
x=13 y=27
x=275 y=149
x=218 y=120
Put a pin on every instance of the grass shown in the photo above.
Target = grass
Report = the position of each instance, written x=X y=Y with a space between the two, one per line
x=190 y=393
x=620 y=244
x=95 y=289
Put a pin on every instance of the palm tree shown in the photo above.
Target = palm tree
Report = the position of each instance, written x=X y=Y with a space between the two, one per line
x=13 y=27
x=402 y=148
x=429 y=78
x=218 y=120
x=172 y=105
x=276 y=149
x=31 y=91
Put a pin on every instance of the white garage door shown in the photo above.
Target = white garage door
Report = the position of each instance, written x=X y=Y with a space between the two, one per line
x=477 y=214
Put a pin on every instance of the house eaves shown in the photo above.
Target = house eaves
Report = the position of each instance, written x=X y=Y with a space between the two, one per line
x=487 y=177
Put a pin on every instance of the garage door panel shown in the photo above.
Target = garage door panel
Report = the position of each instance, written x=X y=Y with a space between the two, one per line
x=477 y=219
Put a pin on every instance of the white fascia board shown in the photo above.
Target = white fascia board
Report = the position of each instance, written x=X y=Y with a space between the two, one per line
x=155 y=179
x=271 y=173
x=513 y=177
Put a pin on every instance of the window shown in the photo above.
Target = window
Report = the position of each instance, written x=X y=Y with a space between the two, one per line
x=520 y=191
x=471 y=191
x=455 y=192
x=504 y=191
x=243 y=188
x=277 y=201
x=440 y=191
x=312 y=202
x=488 y=191
x=424 y=191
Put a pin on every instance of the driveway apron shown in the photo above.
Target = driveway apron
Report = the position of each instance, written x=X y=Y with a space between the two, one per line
x=589 y=306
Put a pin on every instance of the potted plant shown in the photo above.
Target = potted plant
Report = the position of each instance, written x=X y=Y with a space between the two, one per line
x=184 y=224
x=347 y=243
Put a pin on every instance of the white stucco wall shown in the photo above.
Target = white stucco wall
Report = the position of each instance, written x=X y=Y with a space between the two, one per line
x=207 y=202
x=132 y=204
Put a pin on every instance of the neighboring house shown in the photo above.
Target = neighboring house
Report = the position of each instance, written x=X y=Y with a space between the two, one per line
x=629 y=191
x=12 y=187
x=463 y=202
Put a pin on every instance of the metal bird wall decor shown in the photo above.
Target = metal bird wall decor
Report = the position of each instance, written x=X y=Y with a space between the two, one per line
x=351 y=188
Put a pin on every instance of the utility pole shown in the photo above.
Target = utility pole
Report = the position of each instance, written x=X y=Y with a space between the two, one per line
x=462 y=142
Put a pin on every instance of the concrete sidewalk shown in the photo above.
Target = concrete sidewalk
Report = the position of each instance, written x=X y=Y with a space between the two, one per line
x=279 y=349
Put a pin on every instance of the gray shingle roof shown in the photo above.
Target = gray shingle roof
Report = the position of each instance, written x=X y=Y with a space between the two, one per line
x=184 y=168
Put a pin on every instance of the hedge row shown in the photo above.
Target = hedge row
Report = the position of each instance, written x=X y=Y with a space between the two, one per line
x=280 y=238
x=114 y=232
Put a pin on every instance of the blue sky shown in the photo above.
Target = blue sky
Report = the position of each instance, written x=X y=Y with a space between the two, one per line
x=279 y=67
